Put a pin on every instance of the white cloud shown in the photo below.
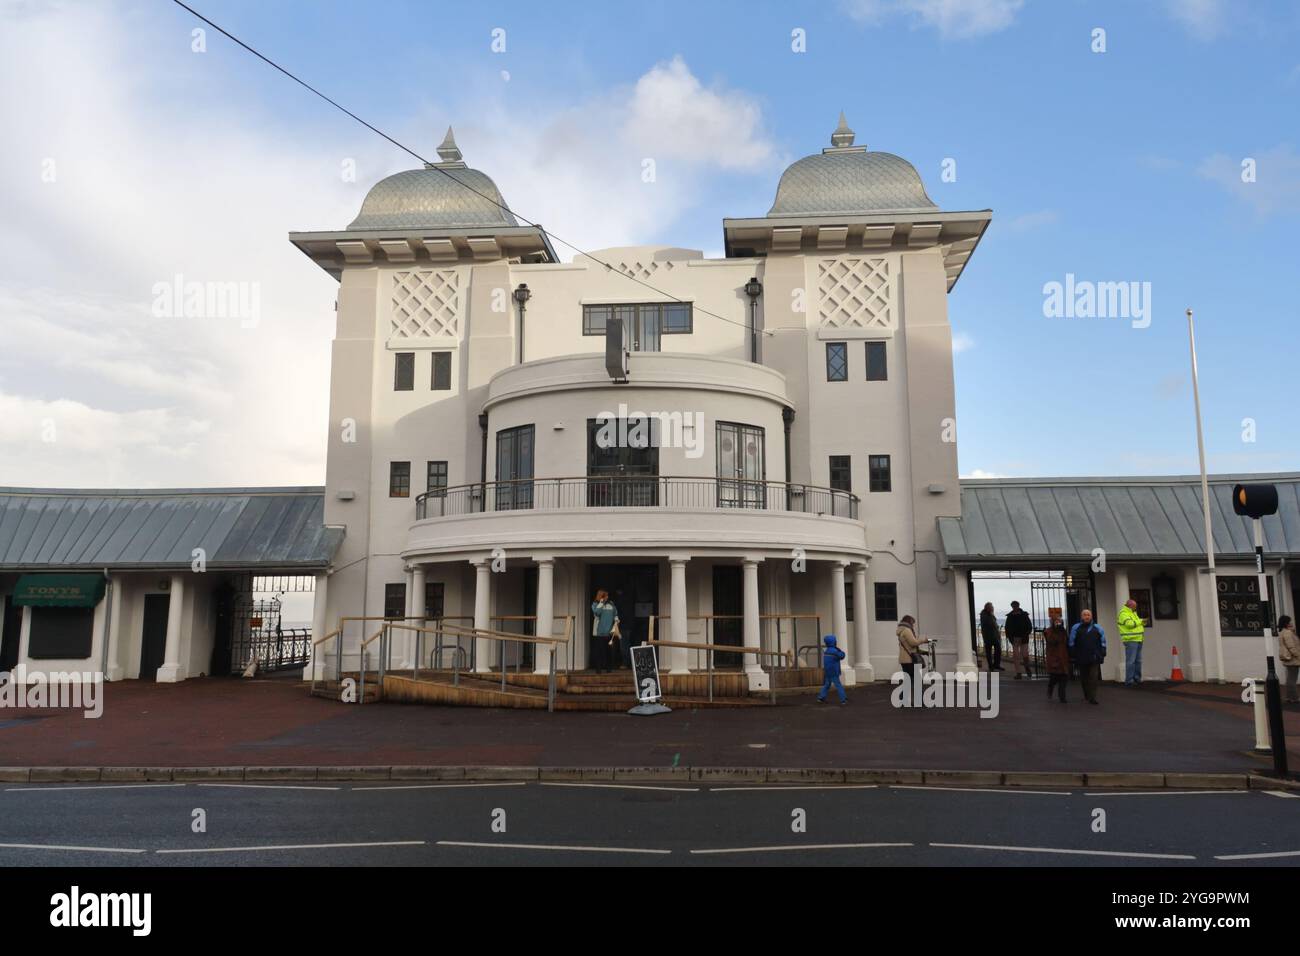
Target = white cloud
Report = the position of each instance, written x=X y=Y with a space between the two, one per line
x=1032 y=220
x=1203 y=19
x=981 y=473
x=1276 y=185
x=961 y=342
x=954 y=19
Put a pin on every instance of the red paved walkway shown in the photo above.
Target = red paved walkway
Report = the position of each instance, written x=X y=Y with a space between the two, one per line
x=229 y=722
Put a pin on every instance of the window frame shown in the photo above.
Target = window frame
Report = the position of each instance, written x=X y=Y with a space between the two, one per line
x=875 y=483
x=883 y=352
x=395 y=479
x=891 y=602
x=433 y=371
x=394 y=590
x=635 y=316
x=847 y=466
x=437 y=491
x=398 y=360
x=843 y=349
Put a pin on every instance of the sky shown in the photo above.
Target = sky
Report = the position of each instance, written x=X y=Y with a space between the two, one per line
x=1151 y=142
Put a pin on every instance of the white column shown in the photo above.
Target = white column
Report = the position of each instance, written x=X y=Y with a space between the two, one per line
x=1191 y=609
x=319 y=628
x=170 y=671
x=861 y=637
x=1114 y=646
x=545 y=613
x=961 y=594
x=417 y=612
x=677 y=626
x=752 y=626
x=1208 y=593
x=840 y=621
x=482 y=613
x=115 y=669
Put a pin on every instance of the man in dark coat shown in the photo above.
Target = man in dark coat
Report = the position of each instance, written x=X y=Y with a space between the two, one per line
x=1019 y=627
x=1088 y=648
x=992 y=637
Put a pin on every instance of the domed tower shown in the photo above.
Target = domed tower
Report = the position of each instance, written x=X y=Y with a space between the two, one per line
x=856 y=261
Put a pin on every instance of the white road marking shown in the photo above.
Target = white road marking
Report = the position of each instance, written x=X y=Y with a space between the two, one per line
x=1283 y=793
x=98 y=786
x=442 y=786
x=546 y=846
x=619 y=786
x=803 y=846
x=1258 y=856
x=822 y=786
x=78 y=849
x=1040 y=793
x=1160 y=793
x=264 y=786
x=294 y=846
x=1048 y=849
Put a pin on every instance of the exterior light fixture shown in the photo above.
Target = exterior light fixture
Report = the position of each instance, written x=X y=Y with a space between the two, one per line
x=521 y=295
x=753 y=289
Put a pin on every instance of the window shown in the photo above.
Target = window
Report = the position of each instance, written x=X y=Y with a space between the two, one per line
x=741 y=466
x=877 y=365
x=441 y=371
x=841 y=473
x=399 y=479
x=886 y=601
x=435 y=478
x=837 y=362
x=433 y=599
x=395 y=600
x=643 y=323
x=61 y=633
x=618 y=451
x=514 y=487
x=848 y=601
x=404 y=372
x=878 y=466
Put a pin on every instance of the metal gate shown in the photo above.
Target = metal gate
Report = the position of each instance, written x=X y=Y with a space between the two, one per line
x=1067 y=595
x=257 y=634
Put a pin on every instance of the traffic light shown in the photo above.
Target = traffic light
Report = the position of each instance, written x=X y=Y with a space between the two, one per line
x=1254 y=501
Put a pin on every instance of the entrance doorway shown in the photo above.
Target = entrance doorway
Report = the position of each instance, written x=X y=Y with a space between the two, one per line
x=153 y=642
x=728 y=606
x=634 y=589
x=12 y=624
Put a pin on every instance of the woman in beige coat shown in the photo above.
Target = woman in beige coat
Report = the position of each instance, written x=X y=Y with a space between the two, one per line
x=1288 y=652
x=909 y=645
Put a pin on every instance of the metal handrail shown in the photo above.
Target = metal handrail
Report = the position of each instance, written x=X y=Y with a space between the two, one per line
x=711 y=649
x=361 y=664
x=635 y=491
x=315 y=657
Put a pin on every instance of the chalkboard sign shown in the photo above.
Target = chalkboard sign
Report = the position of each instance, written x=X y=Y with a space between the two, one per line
x=1241 y=610
x=645 y=671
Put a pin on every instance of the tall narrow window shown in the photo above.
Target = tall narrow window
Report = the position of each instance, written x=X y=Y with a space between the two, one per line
x=879 y=473
x=514 y=488
x=404 y=371
x=877 y=364
x=441 y=371
x=742 y=466
x=399 y=479
x=433 y=599
x=848 y=602
x=435 y=478
x=886 y=601
x=837 y=361
x=395 y=600
x=841 y=472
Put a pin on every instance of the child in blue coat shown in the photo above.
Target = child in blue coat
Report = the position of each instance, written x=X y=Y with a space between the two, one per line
x=831 y=658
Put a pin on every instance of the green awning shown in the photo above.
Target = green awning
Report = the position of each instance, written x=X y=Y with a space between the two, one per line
x=59 y=590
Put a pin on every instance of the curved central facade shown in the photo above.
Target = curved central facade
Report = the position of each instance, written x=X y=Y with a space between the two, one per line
x=748 y=451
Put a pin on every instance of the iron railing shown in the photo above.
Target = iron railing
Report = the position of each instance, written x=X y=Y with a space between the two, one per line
x=634 y=491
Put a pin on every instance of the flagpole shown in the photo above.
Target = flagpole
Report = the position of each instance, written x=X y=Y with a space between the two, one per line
x=1205 y=503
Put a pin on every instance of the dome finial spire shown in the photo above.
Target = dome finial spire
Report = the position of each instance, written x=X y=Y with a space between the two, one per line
x=843 y=136
x=448 y=150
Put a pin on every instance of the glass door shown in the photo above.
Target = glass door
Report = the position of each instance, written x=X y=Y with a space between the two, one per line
x=514 y=487
x=741 y=466
x=619 y=451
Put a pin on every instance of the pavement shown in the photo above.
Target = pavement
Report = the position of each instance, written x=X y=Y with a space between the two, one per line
x=275 y=722
x=546 y=824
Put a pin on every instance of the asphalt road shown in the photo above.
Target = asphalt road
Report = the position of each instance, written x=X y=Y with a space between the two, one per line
x=599 y=824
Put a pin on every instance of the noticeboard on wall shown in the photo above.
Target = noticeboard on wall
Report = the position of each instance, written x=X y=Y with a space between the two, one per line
x=1241 y=608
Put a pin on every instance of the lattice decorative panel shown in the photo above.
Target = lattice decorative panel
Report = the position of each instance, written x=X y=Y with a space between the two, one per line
x=644 y=270
x=855 y=293
x=426 y=304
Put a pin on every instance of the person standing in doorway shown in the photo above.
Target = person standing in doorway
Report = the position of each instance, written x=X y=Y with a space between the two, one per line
x=1288 y=653
x=604 y=632
x=1088 y=648
x=1019 y=627
x=831 y=658
x=992 y=637
x=1132 y=629
x=1056 y=655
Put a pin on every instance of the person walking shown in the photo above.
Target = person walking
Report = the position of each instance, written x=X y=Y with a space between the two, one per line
x=604 y=632
x=1056 y=655
x=1132 y=629
x=992 y=637
x=1019 y=628
x=1087 y=646
x=831 y=658
x=1288 y=652
x=909 y=649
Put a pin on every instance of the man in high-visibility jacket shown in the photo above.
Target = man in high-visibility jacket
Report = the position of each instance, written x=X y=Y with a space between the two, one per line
x=1131 y=631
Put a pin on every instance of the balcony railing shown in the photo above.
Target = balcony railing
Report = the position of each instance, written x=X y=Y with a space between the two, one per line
x=634 y=491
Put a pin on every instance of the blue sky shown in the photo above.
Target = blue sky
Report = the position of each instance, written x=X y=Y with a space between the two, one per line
x=1115 y=166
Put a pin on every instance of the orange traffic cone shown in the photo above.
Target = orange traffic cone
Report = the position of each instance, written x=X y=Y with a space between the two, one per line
x=1178 y=670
